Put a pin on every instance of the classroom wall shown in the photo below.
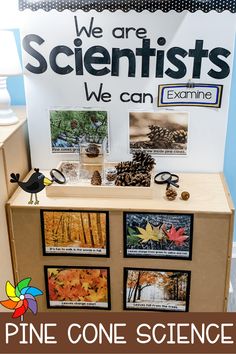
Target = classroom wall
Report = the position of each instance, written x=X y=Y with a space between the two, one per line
x=230 y=146
x=15 y=84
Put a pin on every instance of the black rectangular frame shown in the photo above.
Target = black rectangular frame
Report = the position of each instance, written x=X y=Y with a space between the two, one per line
x=199 y=104
x=126 y=255
x=126 y=269
x=107 y=255
x=46 y=267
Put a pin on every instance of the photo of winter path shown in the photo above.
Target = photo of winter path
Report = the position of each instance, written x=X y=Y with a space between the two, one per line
x=86 y=287
x=75 y=232
x=158 y=235
x=70 y=128
x=160 y=133
x=160 y=290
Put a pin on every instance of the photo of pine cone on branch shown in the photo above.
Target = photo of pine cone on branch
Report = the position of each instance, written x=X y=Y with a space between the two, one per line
x=159 y=133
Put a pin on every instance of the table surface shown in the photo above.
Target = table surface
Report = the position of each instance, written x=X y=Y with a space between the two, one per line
x=7 y=130
x=208 y=192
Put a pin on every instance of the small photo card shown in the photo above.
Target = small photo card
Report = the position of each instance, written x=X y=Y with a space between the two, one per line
x=158 y=235
x=70 y=128
x=159 y=133
x=75 y=232
x=78 y=287
x=156 y=289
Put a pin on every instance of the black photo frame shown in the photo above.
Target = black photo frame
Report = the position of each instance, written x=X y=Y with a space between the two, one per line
x=158 y=235
x=89 y=238
x=61 y=298
x=155 y=298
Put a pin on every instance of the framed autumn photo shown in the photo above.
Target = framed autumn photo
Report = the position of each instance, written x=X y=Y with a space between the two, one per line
x=156 y=289
x=158 y=235
x=75 y=232
x=77 y=287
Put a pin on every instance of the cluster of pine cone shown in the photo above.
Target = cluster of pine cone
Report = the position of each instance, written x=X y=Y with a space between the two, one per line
x=180 y=136
x=135 y=172
x=164 y=138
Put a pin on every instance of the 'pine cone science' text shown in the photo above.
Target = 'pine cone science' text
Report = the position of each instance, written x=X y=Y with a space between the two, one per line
x=147 y=60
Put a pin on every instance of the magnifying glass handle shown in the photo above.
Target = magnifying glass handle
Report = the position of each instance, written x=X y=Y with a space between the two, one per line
x=173 y=184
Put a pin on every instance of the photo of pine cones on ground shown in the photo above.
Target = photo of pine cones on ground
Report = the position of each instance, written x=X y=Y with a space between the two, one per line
x=161 y=133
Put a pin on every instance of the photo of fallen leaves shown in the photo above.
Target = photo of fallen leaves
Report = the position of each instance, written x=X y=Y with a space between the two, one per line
x=87 y=285
x=157 y=234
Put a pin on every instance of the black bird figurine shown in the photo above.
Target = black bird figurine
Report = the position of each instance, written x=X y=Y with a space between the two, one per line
x=35 y=184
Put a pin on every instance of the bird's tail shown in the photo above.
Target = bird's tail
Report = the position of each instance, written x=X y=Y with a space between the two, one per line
x=15 y=177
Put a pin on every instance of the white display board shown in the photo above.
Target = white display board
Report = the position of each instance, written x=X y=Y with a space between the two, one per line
x=190 y=50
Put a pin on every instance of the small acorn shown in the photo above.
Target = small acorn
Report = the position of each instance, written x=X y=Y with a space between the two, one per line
x=185 y=195
x=171 y=194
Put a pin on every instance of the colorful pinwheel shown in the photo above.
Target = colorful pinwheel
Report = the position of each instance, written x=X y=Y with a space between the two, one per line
x=21 y=298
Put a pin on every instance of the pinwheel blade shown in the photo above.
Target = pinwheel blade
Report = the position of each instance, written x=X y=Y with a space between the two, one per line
x=25 y=303
x=32 y=304
x=34 y=291
x=15 y=298
x=10 y=290
x=19 y=304
x=9 y=304
x=23 y=291
x=28 y=296
x=19 y=312
x=21 y=285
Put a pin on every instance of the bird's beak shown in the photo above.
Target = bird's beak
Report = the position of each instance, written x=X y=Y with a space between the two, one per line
x=47 y=181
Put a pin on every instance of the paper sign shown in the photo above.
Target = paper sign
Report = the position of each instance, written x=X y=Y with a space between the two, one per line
x=203 y=95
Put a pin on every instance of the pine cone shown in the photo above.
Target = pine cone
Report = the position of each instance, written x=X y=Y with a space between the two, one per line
x=121 y=179
x=141 y=180
x=137 y=180
x=136 y=172
x=171 y=194
x=143 y=162
x=92 y=150
x=125 y=166
x=180 y=136
x=96 y=179
x=74 y=124
x=160 y=138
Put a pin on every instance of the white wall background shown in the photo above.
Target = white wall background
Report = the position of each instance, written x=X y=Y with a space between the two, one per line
x=207 y=126
x=9 y=14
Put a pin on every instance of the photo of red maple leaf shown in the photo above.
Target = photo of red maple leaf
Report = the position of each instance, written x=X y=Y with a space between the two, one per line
x=177 y=236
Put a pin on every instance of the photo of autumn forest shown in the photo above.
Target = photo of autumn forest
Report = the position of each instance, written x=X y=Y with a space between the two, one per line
x=158 y=235
x=70 y=128
x=86 y=287
x=160 y=290
x=75 y=232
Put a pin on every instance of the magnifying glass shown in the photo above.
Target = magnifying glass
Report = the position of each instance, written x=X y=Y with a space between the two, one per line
x=57 y=176
x=168 y=178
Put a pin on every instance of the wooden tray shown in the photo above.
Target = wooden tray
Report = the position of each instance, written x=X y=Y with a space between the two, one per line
x=86 y=190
